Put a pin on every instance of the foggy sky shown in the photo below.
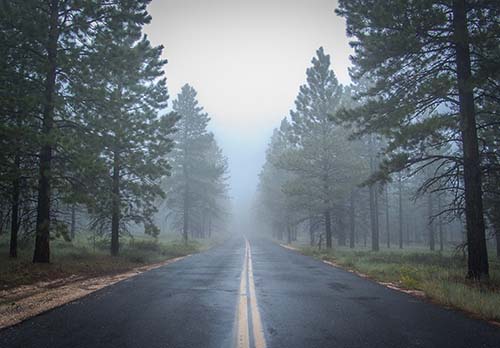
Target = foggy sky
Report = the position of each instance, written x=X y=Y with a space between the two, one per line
x=247 y=60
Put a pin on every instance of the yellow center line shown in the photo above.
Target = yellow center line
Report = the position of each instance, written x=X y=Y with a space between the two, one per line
x=258 y=331
x=243 y=340
x=247 y=296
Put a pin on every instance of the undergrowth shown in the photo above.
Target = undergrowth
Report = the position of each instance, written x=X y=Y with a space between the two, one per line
x=441 y=276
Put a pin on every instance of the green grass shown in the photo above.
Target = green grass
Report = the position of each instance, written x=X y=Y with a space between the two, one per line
x=441 y=276
x=81 y=258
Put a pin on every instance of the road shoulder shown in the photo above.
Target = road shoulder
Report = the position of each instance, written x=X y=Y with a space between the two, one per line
x=26 y=301
x=394 y=286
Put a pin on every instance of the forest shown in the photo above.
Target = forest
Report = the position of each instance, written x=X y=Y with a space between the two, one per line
x=392 y=176
x=408 y=154
x=89 y=149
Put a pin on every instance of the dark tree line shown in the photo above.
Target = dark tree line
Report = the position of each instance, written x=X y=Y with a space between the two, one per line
x=422 y=113
x=433 y=94
x=83 y=128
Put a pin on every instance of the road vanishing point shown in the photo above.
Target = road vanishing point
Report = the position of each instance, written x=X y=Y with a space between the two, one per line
x=250 y=293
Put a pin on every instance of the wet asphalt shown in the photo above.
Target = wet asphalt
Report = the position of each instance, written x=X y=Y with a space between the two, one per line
x=303 y=303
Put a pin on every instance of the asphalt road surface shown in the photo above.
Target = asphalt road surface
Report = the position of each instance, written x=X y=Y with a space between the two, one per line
x=249 y=294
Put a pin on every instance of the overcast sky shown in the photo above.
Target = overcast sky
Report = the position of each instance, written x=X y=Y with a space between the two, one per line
x=246 y=59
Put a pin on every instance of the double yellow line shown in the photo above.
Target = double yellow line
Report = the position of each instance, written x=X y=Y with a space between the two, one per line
x=248 y=316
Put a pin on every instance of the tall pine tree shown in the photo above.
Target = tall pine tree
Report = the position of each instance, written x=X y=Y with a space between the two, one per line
x=427 y=62
x=125 y=76
x=191 y=141
x=54 y=36
x=318 y=144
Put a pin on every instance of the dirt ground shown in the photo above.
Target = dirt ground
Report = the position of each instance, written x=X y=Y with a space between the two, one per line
x=20 y=303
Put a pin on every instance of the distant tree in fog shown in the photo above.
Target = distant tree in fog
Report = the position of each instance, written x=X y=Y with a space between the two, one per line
x=197 y=189
x=315 y=157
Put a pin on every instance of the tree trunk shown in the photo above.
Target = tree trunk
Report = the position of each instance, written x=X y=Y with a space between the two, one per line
x=185 y=225
x=374 y=218
x=185 y=208
x=42 y=239
x=400 y=194
x=352 y=222
x=495 y=224
x=341 y=231
x=328 y=229
x=2 y=221
x=311 y=232
x=478 y=268
x=440 y=225
x=14 y=221
x=497 y=237
x=73 y=221
x=387 y=217
x=432 y=242
x=115 y=213
x=373 y=204
x=441 y=241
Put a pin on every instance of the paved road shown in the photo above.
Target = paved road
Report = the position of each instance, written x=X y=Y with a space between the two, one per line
x=202 y=301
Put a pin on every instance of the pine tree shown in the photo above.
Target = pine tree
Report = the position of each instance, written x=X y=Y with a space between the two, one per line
x=274 y=204
x=315 y=135
x=213 y=190
x=125 y=76
x=426 y=60
x=20 y=95
x=52 y=46
x=310 y=161
x=197 y=187
x=311 y=166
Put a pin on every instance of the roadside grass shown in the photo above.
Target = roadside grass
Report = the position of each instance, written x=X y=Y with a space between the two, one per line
x=81 y=259
x=441 y=276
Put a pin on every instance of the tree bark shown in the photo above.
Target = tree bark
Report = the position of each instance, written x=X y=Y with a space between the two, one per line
x=115 y=214
x=185 y=204
x=478 y=268
x=374 y=218
x=352 y=222
x=400 y=194
x=387 y=217
x=42 y=239
x=373 y=204
x=14 y=221
x=185 y=216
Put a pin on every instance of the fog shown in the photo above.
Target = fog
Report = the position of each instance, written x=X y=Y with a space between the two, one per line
x=249 y=173
x=247 y=60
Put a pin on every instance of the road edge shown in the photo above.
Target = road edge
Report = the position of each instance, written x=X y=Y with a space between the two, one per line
x=414 y=293
x=50 y=298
